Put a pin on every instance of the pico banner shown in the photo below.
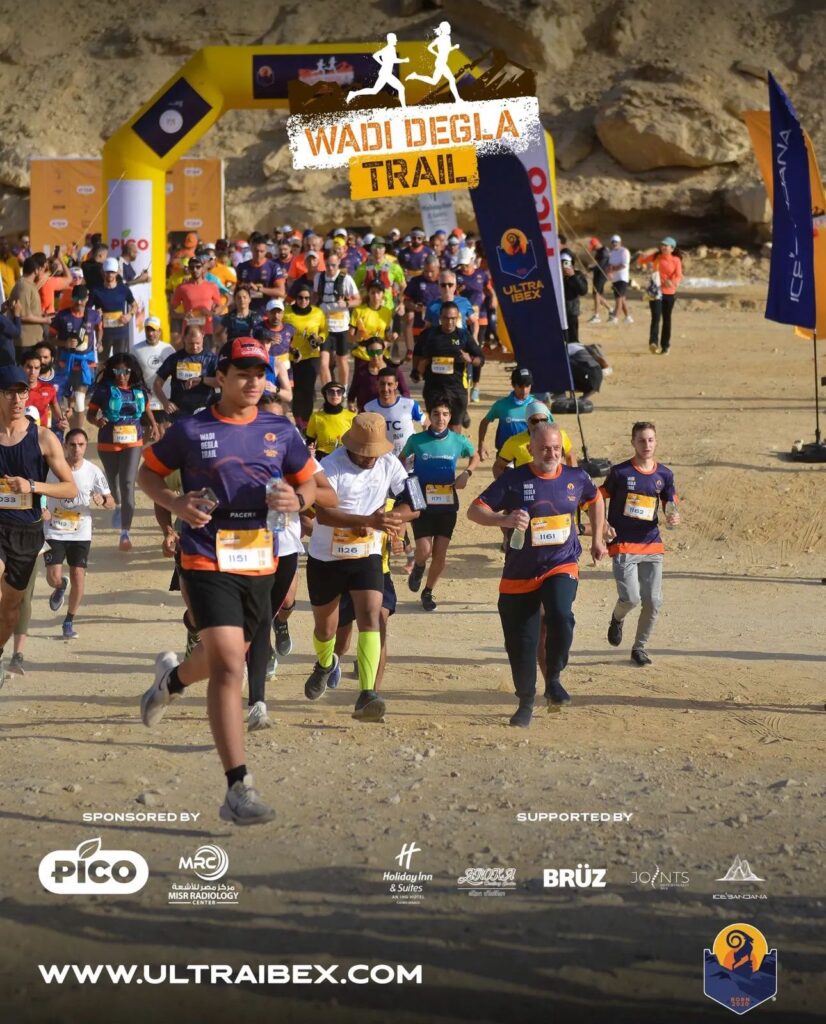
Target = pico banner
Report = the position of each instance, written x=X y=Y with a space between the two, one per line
x=791 y=297
x=521 y=269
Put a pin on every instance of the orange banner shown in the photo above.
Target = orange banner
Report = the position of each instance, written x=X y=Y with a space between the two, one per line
x=759 y=126
x=67 y=199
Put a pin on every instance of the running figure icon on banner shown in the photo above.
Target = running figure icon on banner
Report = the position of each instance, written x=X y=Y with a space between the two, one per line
x=441 y=50
x=386 y=58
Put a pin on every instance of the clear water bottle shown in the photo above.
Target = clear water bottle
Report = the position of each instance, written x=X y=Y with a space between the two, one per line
x=670 y=509
x=517 y=541
x=276 y=521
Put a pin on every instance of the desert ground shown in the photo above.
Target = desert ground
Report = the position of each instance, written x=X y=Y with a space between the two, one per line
x=717 y=751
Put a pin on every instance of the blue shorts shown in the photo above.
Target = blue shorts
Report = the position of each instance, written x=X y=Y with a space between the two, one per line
x=346 y=612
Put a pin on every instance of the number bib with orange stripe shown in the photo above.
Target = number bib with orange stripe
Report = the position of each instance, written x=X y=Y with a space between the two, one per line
x=244 y=550
x=440 y=494
x=124 y=433
x=349 y=544
x=550 y=530
x=188 y=371
x=12 y=499
x=640 y=506
x=443 y=365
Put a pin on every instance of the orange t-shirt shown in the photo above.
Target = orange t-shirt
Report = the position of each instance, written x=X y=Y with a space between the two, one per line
x=670 y=268
x=48 y=290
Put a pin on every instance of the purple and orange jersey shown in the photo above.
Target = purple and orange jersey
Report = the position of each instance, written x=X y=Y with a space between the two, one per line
x=635 y=496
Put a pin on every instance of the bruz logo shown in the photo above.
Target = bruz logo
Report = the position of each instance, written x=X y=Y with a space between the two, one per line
x=581 y=877
x=90 y=869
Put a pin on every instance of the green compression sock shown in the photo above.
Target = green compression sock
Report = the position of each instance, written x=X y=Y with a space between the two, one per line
x=324 y=650
x=368 y=653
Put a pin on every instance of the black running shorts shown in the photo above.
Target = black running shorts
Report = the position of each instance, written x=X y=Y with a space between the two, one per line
x=74 y=552
x=328 y=580
x=347 y=613
x=19 y=548
x=435 y=524
x=227 y=599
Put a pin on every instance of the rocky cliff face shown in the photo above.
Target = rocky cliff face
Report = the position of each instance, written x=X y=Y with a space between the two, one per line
x=642 y=99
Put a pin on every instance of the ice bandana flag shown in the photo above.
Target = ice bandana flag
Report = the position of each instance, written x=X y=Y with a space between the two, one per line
x=791 y=298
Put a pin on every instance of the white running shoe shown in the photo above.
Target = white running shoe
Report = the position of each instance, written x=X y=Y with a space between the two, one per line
x=272 y=667
x=156 y=698
x=595 y=319
x=244 y=806
x=629 y=319
x=258 y=717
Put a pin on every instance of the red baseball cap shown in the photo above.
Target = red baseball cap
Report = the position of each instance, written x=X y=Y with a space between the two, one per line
x=594 y=244
x=243 y=353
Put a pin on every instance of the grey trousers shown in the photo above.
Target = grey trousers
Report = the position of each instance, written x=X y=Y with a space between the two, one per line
x=639 y=578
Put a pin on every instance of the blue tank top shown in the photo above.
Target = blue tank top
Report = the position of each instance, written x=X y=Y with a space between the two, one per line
x=23 y=459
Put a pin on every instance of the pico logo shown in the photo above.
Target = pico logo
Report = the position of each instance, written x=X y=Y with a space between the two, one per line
x=91 y=870
x=126 y=236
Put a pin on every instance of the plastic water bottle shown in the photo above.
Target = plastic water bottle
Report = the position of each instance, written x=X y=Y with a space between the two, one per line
x=517 y=541
x=276 y=521
x=670 y=509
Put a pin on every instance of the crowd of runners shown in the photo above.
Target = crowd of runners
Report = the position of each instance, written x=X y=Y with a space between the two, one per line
x=312 y=390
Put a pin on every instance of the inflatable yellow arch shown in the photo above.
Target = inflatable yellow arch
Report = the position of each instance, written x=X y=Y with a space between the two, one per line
x=216 y=79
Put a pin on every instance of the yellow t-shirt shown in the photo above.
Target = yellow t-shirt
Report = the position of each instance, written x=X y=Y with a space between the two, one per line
x=225 y=274
x=10 y=271
x=371 y=323
x=327 y=429
x=314 y=322
x=515 y=449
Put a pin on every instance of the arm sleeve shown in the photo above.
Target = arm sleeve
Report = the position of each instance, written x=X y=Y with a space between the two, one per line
x=589 y=490
x=166 y=367
x=130 y=298
x=493 y=413
x=494 y=496
x=101 y=484
x=167 y=454
x=609 y=484
x=669 y=492
x=298 y=465
x=398 y=477
x=468 y=447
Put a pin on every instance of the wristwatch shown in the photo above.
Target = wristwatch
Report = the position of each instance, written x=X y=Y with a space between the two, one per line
x=301 y=502
x=469 y=472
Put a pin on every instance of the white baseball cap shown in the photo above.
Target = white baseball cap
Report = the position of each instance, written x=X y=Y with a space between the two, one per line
x=465 y=256
x=565 y=258
x=152 y=321
x=274 y=304
x=340 y=233
x=286 y=228
x=368 y=238
x=33 y=414
x=615 y=238
x=110 y=265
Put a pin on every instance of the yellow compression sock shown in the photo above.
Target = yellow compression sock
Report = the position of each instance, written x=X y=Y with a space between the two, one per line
x=368 y=654
x=324 y=650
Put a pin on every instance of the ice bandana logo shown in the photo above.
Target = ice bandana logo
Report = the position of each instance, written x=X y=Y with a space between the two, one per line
x=740 y=971
x=91 y=870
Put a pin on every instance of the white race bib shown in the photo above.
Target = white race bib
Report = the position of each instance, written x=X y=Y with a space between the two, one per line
x=244 y=550
x=440 y=494
x=443 y=365
x=547 y=531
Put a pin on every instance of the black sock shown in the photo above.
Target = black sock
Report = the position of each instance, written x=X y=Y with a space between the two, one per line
x=69 y=617
x=174 y=684
x=235 y=775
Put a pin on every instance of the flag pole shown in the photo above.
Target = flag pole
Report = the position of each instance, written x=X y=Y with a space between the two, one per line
x=814 y=451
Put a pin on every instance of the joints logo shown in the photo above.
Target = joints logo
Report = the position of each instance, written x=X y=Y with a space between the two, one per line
x=581 y=877
x=209 y=863
x=406 y=855
x=659 y=879
x=740 y=971
x=89 y=869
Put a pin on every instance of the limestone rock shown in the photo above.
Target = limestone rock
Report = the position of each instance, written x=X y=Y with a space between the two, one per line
x=645 y=126
x=573 y=147
x=752 y=203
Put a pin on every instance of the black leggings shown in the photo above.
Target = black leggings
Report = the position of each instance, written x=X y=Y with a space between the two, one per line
x=520 y=615
x=304 y=374
x=661 y=308
x=260 y=650
x=121 y=468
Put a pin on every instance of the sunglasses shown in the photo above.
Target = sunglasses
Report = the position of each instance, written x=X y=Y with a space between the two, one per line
x=121 y=371
x=334 y=391
x=303 y=297
x=374 y=351
x=447 y=284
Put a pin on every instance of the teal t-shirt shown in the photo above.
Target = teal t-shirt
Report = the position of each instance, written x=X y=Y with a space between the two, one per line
x=510 y=412
x=434 y=463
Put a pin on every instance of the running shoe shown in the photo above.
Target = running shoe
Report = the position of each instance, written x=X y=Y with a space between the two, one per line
x=58 y=595
x=317 y=683
x=629 y=319
x=474 y=394
x=116 y=520
x=283 y=640
x=428 y=603
x=16 y=665
x=664 y=351
x=69 y=631
x=654 y=348
x=156 y=698
x=125 y=543
x=595 y=319
x=272 y=665
x=555 y=693
x=615 y=632
x=258 y=717
x=612 y=319
x=335 y=678
x=639 y=657
x=243 y=805
x=369 y=707
x=415 y=580
x=521 y=718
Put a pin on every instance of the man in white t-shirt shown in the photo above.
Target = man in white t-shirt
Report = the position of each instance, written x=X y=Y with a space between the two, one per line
x=619 y=264
x=399 y=413
x=151 y=354
x=336 y=294
x=68 y=531
x=345 y=554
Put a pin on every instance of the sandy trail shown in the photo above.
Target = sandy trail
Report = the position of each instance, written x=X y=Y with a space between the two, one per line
x=716 y=750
